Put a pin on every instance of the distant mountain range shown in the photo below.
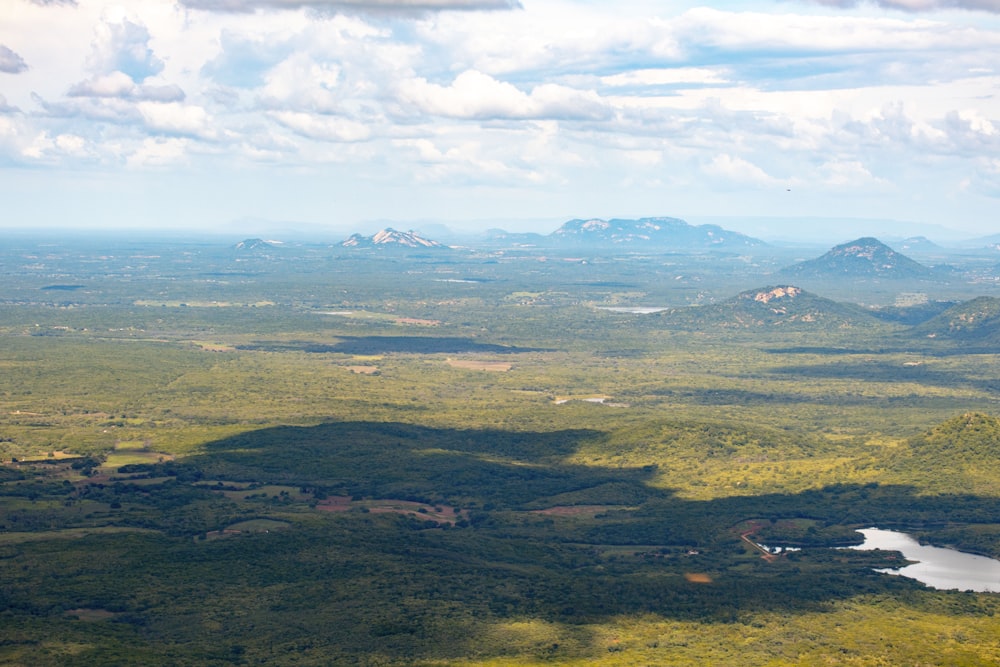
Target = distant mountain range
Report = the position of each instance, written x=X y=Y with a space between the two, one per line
x=918 y=244
x=863 y=258
x=644 y=234
x=390 y=238
x=672 y=233
x=254 y=245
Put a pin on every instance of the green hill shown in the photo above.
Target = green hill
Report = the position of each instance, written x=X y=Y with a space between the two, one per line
x=976 y=321
x=781 y=306
x=958 y=455
x=973 y=438
x=863 y=258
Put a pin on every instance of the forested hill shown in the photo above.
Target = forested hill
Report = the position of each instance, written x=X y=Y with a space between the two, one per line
x=973 y=437
x=862 y=258
x=959 y=453
x=976 y=321
x=785 y=306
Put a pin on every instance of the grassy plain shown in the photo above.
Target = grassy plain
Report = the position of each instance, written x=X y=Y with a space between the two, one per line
x=316 y=458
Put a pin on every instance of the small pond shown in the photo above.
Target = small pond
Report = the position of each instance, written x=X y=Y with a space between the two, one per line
x=637 y=310
x=943 y=569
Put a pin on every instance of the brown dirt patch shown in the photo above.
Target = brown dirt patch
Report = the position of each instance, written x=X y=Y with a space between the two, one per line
x=417 y=321
x=90 y=615
x=50 y=456
x=215 y=347
x=442 y=514
x=473 y=365
x=363 y=370
x=334 y=504
x=576 y=510
x=218 y=534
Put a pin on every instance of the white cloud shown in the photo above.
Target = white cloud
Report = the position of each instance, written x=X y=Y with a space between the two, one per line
x=45 y=148
x=71 y=144
x=120 y=85
x=551 y=38
x=918 y=5
x=564 y=94
x=6 y=108
x=10 y=62
x=300 y=82
x=350 y=5
x=83 y=109
x=849 y=175
x=666 y=77
x=324 y=128
x=123 y=46
x=175 y=118
x=474 y=95
x=158 y=152
x=986 y=179
x=748 y=32
x=736 y=170
x=464 y=162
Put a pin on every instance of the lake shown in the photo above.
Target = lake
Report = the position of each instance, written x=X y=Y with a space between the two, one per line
x=944 y=569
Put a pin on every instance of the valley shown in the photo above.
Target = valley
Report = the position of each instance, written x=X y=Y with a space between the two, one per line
x=524 y=452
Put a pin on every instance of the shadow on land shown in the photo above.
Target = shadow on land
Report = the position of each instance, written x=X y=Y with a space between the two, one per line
x=878 y=371
x=509 y=561
x=515 y=471
x=366 y=345
x=351 y=584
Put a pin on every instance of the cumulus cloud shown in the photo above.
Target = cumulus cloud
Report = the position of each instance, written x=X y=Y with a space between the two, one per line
x=474 y=95
x=46 y=148
x=120 y=85
x=6 y=108
x=465 y=162
x=103 y=110
x=735 y=169
x=849 y=175
x=302 y=83
x=11 y=62
x=666 y=77
x=351 y=5
x=796 y=34
x=124 y=47
x=244 y=60
x=158 y=152
x=919 y=5
x=324 y=128
x=987 y=179
x=177 y=119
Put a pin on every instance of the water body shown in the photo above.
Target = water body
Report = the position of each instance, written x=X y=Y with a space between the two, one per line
x=943 y=569
x=638 y=310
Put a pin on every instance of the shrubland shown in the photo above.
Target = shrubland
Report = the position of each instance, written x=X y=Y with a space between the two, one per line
x=227 y=459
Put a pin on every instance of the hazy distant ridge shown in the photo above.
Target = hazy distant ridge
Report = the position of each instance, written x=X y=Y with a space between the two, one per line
x=651 y=232
x=862 y=258
x=389 y=237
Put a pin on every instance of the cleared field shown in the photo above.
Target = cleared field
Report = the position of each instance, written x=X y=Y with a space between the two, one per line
x=476 y=365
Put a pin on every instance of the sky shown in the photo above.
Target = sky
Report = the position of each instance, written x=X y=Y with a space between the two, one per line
x=344 y=114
